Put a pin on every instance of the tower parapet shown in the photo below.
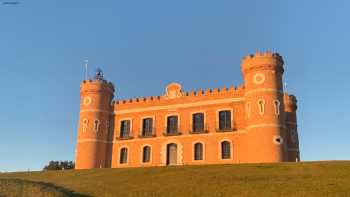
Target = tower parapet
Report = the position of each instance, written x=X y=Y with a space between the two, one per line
x=290 y=106
x=262 y=73
x=94 y=122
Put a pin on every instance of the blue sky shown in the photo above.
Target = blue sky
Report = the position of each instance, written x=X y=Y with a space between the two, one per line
x=144 y=45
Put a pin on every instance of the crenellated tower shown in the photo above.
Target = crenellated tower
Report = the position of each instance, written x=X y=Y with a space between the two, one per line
x=290 y=106
x=94 y=123
x=264 y=108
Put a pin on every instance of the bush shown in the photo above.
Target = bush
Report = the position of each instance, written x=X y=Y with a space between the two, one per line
x=60 y=165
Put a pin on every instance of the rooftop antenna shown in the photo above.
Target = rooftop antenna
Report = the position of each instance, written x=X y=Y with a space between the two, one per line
x=86 y=68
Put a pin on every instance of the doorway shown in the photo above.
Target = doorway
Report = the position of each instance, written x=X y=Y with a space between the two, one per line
x=171 y=158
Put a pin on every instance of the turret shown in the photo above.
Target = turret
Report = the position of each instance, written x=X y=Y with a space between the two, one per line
x=264 y=114
x=94 y=122
x=290 y=106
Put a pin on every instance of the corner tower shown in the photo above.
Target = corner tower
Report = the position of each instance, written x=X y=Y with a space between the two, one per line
x=265 y=118
x=290 y=106
x=94 y=122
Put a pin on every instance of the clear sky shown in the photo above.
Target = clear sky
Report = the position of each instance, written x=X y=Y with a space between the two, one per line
x=144 y=45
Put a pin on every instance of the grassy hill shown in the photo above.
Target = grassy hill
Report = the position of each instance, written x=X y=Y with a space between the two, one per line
x=330 y=178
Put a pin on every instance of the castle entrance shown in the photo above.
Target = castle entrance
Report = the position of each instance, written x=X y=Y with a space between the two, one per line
x=171 y=158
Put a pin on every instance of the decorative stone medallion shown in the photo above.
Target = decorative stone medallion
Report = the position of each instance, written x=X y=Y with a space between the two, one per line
x=87 y=100
x=259 y=78
x=173 y=90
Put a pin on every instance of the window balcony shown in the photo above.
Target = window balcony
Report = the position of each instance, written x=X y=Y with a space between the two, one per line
x=169 y=131
x=147 y=133
x=125 y=137
x=225 y=129
x=199 y=129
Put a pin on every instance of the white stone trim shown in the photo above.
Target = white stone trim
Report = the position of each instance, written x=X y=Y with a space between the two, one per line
x=248 y=109
x=264 y=125
x=93 y=140
x=94 y=110
x=259 y=81
x=263 y=90
x=176 y=106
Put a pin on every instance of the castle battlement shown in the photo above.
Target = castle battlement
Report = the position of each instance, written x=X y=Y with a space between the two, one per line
x=200 y=94
x=253 y=122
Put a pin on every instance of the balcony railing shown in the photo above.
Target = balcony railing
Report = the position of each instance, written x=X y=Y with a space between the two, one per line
x=168 y=131
x=225 y=129
x=127 y=136
x=144 y=133
x=199 y=130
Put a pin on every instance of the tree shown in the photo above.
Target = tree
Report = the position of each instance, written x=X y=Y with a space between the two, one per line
x=59 y=165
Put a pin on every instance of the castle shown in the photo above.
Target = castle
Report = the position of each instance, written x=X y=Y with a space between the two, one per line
x=252 y=123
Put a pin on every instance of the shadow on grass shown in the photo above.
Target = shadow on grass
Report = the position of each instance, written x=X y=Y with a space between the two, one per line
x=17 y=187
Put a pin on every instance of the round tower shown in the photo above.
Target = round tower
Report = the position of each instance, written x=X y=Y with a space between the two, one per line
x=265 y=123
x=95 y=112
x=290 y=106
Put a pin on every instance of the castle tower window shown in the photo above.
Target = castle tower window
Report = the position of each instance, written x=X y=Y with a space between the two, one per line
x=147 y=127
x=225 y=150
x=198 y=122
x=277 y=104
x=146 y=155
x=125 y=129
x=123 y=155
x=96 y=125
x=225 y=120
x=261 y=104
x=198 y=151
x=172 y=125
x=85 y=125
x=248 y=109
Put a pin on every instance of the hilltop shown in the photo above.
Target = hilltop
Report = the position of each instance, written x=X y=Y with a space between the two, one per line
x=328 y=178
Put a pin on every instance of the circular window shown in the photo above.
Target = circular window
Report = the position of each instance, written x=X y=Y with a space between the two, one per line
x=259 y=78
x=277 y=140
x=87 y=100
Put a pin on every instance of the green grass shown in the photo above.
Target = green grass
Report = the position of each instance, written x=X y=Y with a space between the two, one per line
x=285 y=179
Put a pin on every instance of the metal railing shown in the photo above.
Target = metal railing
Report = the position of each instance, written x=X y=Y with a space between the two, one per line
x=199 y=129
x=126 y=136
x=169 y=131
x=146 y=133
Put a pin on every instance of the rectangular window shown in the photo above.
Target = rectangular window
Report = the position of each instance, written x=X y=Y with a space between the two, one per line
x=124 y=128
x=225 y=120
x=198 y=122
x=147 y=127
x=172 y=124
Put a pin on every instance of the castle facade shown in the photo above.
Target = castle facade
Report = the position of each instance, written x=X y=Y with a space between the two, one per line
x=252 y=123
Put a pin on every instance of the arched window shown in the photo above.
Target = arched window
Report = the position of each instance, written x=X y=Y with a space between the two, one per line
x=277 y=104
x=198 y=151
x=123 y=156
x=225 y=150
x=97 y=125
x=146 y=155
x=261 y=104
x=85 y=125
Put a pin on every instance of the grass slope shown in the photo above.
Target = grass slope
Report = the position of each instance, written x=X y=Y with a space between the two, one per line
x=285 y=179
